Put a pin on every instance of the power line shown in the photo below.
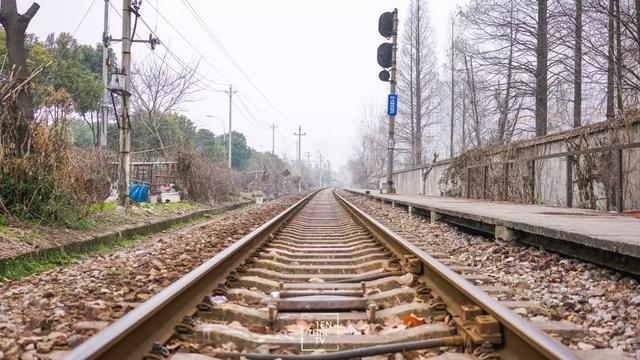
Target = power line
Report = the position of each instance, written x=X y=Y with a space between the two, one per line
x=59 y=56
x=249 y=111
x=178 y=59
x=198 y=76
x=192 y=46
x=248 y=118
x=228 y=55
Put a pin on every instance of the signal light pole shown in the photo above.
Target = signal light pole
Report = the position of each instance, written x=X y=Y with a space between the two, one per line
x=388 y=27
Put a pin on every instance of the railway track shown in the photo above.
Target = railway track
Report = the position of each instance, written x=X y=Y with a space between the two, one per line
x=321 y=277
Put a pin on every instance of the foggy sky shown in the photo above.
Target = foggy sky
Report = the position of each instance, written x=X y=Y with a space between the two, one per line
x=314 y=60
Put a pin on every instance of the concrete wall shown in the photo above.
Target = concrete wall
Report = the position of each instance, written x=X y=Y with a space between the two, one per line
x=550 y=177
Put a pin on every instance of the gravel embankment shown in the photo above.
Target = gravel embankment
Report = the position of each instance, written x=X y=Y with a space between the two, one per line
x=61 y=308
x=603 y=301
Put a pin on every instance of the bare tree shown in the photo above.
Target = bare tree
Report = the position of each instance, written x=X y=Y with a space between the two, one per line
x=15 y=26
x=577 y=71
x=158 y=89
x=370 y=152
x=453 y=88
x=417 y=80
x=542 y=53
x=610 y=63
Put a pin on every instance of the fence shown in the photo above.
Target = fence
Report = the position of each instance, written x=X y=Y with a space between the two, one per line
x=570 y=157
x=595 y=166
x=154 y=174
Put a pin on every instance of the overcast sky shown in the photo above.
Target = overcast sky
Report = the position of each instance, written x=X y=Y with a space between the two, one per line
x=313 y=60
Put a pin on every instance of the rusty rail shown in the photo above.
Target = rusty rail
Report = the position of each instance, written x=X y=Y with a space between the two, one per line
x=521 y=339
x=155 y=320
x=131 y=336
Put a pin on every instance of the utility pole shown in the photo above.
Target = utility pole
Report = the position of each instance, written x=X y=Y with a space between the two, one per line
x=230 y=93
x=300 y=134
x=320 y=156
x=392 y=90
x=308 y=155
x=273 y=140
x=102 y=127
x=124 y=159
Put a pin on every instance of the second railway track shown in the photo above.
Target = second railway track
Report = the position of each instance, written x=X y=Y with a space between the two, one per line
x=321 y=276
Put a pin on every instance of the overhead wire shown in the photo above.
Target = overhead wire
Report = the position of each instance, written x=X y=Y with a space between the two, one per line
x=262 y=124
x=248 y=118
x=59 y=55
x=178 y=59
x=215 y=39
x=192 y=46
x=201 y=79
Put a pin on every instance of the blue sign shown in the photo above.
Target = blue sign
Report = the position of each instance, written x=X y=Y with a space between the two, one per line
x=392 y=105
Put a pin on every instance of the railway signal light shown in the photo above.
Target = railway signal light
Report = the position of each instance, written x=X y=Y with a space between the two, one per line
x=385 y=50
x=385 y=25
x=385 y=55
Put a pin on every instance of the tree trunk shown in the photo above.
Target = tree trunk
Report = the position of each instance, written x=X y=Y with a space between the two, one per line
x=464 y=118
x=638 y=26
x=619 y=65
x=577 y=68
x=476 y=112
x=418 y=114
x=411 y=104
x=474 y=101
x=453 y=90
x=15 y=26
x=505 y=106
x=541 y=69
x=610 y=64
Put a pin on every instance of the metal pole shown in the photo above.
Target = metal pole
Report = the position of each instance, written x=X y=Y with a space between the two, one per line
x=620 y=181
x=230 y=93
x=505 y=184
x=468 y=183
x=392 y=89
x=484 y=182
x=124 y=159
x=102 y=128
x=569 y=181
x=533 y=181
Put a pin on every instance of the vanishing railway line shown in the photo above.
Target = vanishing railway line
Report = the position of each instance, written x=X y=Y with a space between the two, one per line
x=321 y=275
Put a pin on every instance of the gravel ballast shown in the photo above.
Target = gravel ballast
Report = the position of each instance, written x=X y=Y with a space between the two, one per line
x=61 y=308
x=603 y=302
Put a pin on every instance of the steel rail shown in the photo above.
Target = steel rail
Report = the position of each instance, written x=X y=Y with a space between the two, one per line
x=521 y=340
x=132 y=336
x=358 y=353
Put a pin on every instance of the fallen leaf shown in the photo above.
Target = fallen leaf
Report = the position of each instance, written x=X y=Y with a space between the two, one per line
x=316 y=280
x=412 y=320
x=298 y=328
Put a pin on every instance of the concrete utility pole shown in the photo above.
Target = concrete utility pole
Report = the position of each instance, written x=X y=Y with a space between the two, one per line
x=102 y=127
x=300 y=134
x=320 y=158
x=308 y=155
x=230 y=93
x=124 y=158
x=392 y=90
x=273 y=140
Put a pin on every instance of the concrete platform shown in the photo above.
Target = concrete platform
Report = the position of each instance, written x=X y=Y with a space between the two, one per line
x=608 y=239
